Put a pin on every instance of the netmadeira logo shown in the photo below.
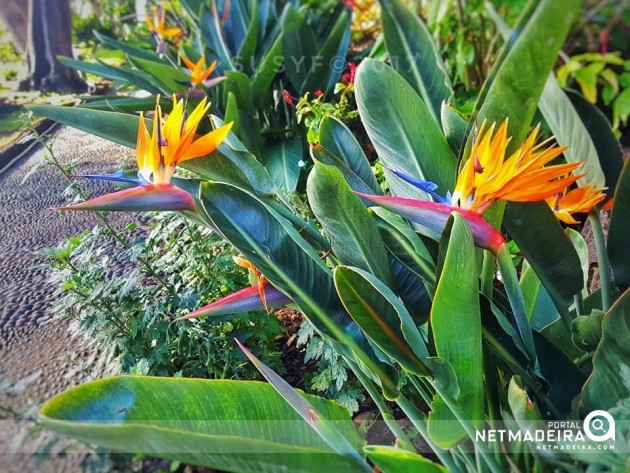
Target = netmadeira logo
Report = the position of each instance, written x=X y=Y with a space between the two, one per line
x=596 y=432
x=599 y=426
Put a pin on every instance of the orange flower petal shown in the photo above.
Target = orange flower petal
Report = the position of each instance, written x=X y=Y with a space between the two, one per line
x=207 y=143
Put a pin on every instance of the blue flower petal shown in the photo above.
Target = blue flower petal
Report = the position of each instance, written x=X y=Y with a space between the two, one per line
x=126 y=177
x=425 y=186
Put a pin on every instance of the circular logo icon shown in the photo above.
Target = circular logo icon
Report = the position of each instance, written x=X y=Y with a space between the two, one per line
x=599 y=426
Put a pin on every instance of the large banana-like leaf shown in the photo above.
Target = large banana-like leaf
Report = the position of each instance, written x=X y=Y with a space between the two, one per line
x=247 y=50
x=619 y=233
x=300 y=47
x=383 y=317
x=540 y=308
x=397 y=460
x=411 y=263
x=605 y=142
x=402 y=129
x=414 y=54
x=457 y=335
x=171 y=79
x=267 y=69
x=227 y=425
x=352 y=231
x=356 y=183
x=213 y=38
x=570 y=131
x=307 y=411
x=337 y=138
x=565 y=123
x=521 y=75
x=608 y=385
x=96 y=68
x=324 y=75
x=288 y=261
x=126 y=47
x=282 y=160
x=404 y=244
x=547 y=249
x=231 y=162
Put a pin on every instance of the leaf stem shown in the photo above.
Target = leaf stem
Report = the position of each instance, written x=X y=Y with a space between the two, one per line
x=602 y=258
x=417 y=419
x=388 y=418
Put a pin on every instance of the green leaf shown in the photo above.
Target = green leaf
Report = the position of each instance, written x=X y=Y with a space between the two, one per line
x=300 y=47
x=352 y=232
x=404 y=133
x=383 y=317
x=269 y=66
x=337 y=138
x=609 y=383
x=324 y=428
x=414 y=55
x=605 y=142
x=235 y=151
x=282 y=160
x=322 y=155
x=404 y=244
x=621 y=108
x=540 y=308
x=212 y=37
x=618 y=244
x=396 y=460
x=291 y=265
x=548 y=251
x=325 y=71
x=142 y=80
x=518 y=83
x=126 y=48
x=120 y=128
x=455 y=128
x=225 y=425
x=569 y=131
x=171 y=79
x=456 y=327
x=523 y=409
x=517 y=303
x=231 y=112
x=128 y=105
x=248 y=48
x=95 y=68
x=239 y=84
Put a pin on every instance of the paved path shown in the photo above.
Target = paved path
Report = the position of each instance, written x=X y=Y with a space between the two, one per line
x=38 y=356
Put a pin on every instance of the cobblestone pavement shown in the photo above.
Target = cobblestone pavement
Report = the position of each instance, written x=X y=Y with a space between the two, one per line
x=38 y=356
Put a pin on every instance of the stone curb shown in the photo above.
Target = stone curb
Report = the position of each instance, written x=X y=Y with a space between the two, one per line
x=21 y=148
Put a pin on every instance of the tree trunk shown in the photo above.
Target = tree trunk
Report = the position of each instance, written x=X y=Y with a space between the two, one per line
x=50 y=35
x=15 y=18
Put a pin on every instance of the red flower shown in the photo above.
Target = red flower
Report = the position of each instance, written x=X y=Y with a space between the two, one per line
x=318 y=93
x=349 y=77
x=287 y=97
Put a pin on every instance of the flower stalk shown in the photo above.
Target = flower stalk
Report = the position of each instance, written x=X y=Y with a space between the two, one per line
x=602 y=258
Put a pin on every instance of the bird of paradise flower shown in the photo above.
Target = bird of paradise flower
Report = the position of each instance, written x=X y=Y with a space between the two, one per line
x=173 y=141
x=160 y=31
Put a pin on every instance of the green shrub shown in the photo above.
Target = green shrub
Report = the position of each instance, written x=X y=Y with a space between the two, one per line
x=134 y=312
